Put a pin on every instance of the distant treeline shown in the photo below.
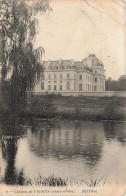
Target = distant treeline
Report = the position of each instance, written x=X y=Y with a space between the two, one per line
x=116 y=85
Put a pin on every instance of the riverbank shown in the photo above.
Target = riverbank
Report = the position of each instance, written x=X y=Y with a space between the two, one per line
x=83 y=108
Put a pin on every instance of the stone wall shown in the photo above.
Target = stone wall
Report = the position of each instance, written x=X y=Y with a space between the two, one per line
x=91 y=94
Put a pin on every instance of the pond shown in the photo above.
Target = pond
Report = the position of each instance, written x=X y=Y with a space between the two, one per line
x=76 y=152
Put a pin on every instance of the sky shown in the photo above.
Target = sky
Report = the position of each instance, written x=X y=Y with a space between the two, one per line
x=75 y=29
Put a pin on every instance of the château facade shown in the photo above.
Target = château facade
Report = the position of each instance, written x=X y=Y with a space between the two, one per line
x=60 y=76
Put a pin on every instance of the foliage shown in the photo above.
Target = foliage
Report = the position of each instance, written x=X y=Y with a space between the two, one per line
x=21 y=65
x=94 y=182
x=122 y=83
x=116 y=85
x=75 y=108
x=42 y=105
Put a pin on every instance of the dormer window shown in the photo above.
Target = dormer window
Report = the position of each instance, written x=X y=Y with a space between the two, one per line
x=68 y=67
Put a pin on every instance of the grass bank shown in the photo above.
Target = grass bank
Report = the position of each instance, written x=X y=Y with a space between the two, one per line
x=81 y=107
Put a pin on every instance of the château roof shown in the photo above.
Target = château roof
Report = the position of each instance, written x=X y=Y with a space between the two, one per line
x=92 y=61
x=87 y=64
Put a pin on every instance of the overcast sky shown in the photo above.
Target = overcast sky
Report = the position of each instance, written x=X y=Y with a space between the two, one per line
x=75 y=29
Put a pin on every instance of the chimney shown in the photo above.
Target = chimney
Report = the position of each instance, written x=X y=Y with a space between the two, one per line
x=72 y=61
x=49 y=62
x=60 y=61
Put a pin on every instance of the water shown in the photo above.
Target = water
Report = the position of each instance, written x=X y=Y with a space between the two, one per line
x=74 y=150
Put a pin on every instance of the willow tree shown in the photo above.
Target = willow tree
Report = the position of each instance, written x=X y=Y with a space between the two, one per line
x=20 y=63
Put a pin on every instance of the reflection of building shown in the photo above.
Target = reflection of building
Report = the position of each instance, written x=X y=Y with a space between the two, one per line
x=68 y=139
x=69 y=76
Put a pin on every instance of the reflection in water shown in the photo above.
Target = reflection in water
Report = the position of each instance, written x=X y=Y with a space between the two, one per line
x=115 y=131
x=67 y=140
x=65 y=149
x=10 y=134
x=9 y=147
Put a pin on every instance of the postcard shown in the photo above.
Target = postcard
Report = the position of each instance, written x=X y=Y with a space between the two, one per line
x=63 y=97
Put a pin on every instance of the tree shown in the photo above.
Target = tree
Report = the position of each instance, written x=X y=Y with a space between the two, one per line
x=122 y=83
x=111 y=85
x=20 y=63
x=116 y=85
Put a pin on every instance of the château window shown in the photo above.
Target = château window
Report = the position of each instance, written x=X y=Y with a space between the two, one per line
x=80 y=87
x=68 y=86
x=55 y=67
x=68 y=76
x=90 y=87
x=61 y=76
x=49 y=87
x=55 y=76
x=95 y=79
x=54 y=87
x=60 y=87
x=59 y=133
x=68 y=67
x=42 y=86
x=50 y=67
x=75 y=86
x=95 y=88
x=49 y=76
x=80 y=77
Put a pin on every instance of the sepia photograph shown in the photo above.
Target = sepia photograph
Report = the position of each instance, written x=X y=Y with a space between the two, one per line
x=63 y=97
